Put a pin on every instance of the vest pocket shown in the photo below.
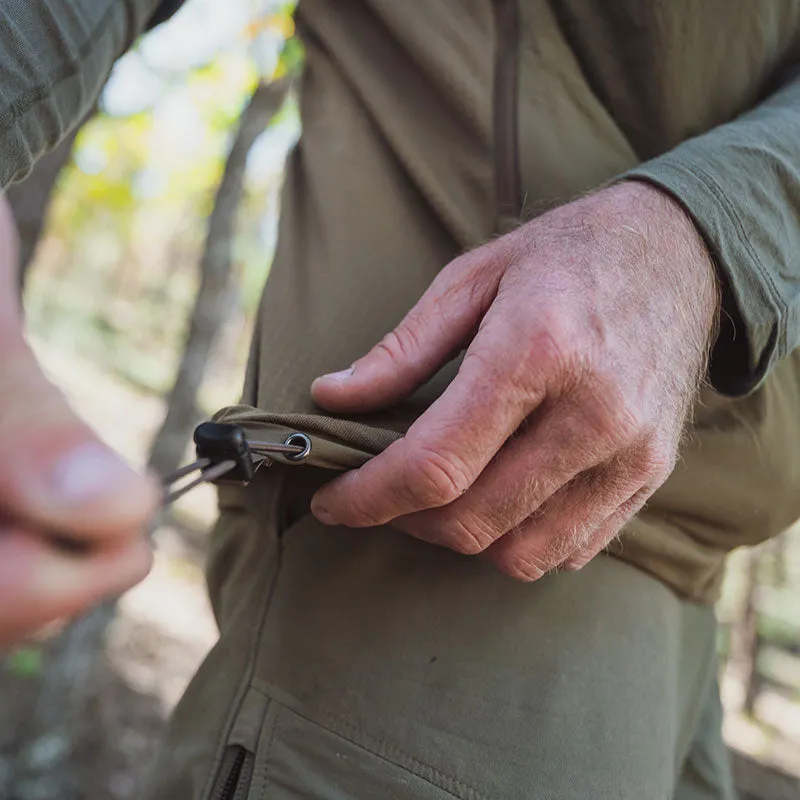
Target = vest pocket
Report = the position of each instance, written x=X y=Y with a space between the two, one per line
x=235 y=774
x=300 y=758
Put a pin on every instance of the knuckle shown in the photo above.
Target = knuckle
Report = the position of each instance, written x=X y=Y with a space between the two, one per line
x=572 y=538
x=617 y=483
x=609 y=413
x=542 y=357
x=626 y=513
x=657 y=460
x=469 y=535
x=467 y=281
x=578 y=563
x=526 y=568
x=434 y=479
x=623 y=420
x=402 y=343
x=552 y=344
x=361 y=513
x=562 y=543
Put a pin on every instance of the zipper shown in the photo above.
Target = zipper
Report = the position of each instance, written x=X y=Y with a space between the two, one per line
x=505 y=111
x=235 y=774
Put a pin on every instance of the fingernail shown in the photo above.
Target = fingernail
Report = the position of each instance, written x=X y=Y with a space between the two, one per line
x=90 y=472
x=342 y=375
x=322 y=513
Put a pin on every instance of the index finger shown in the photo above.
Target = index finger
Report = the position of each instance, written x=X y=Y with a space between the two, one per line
x=446 y=449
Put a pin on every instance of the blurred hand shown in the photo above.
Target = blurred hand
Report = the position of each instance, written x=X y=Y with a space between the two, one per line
x=586 y=333
x=57 y=479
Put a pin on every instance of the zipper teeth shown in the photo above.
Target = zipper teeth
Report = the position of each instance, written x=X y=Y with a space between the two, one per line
x=245 y=776
x=231 y=770
x=505 y=108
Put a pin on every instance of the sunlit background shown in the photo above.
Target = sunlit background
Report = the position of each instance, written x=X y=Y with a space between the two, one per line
x=116 y=272
x=109 y=294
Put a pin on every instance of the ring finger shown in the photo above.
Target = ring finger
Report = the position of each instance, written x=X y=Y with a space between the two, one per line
x=565 y=525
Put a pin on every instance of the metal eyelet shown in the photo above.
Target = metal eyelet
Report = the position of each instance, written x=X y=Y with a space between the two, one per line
x=298 y=440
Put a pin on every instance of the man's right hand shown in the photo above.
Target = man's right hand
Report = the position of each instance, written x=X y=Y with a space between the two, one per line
x=58 y=484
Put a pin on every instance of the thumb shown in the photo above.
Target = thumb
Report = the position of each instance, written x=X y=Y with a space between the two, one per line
x=54 y=472
x=431 y=333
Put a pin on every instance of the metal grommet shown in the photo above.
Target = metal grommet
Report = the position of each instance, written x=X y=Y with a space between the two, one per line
x=298 y=440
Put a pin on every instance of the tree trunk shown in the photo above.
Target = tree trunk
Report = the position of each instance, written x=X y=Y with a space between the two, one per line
x=749 y=638
x=214 y=299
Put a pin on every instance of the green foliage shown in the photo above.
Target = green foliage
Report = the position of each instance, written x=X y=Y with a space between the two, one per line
x=24 y=662
x=291 y=58
x=116 y=274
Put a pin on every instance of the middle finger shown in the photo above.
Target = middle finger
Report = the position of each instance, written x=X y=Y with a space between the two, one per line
x=532 y=466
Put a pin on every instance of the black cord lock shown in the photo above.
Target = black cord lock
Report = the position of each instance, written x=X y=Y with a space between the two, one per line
x=220 y=442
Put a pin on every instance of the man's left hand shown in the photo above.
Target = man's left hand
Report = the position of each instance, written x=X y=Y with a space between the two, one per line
x=586 y=334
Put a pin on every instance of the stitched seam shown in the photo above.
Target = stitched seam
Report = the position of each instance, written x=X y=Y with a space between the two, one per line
x=414 y=766
x=383 y=750
x=36 y=94
x=393 y=755
x=267 y=755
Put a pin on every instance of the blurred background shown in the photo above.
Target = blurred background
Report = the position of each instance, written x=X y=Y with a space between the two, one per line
x=146 y=239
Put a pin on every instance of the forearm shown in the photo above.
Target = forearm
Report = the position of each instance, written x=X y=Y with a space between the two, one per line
x=55 y=56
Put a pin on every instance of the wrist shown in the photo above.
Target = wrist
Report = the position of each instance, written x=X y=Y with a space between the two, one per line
x=677 y=246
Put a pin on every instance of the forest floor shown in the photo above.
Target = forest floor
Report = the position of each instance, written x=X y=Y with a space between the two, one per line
x=164 y=627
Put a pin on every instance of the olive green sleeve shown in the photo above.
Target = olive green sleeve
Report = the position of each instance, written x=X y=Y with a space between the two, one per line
x=55 y=56
x=741 y=184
